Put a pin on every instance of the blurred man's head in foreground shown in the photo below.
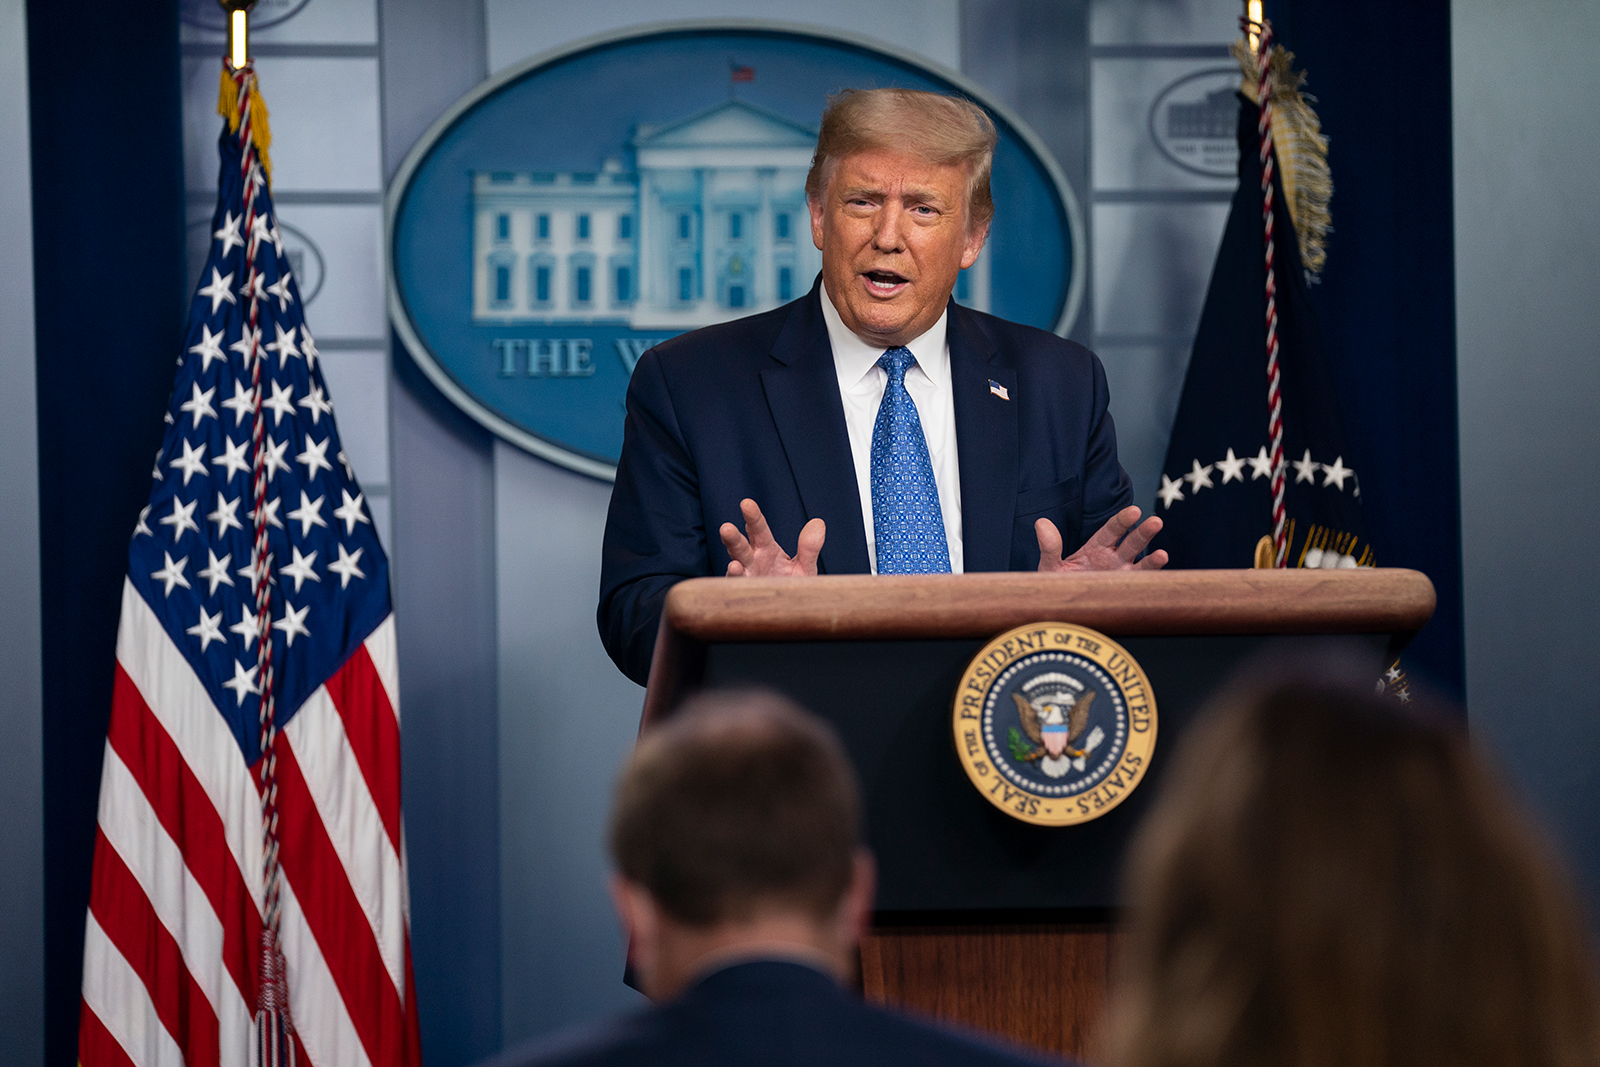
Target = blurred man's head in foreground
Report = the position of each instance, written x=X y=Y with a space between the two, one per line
x=736 y=834
x=1330 y=878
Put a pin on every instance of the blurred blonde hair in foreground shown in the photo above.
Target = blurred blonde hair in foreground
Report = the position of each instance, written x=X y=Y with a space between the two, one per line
x=1332 y=880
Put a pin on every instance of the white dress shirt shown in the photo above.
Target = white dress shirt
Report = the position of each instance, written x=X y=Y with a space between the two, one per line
x=861 y=386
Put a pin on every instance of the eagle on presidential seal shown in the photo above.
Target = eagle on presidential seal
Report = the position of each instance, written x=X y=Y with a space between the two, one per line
x=1054 y=709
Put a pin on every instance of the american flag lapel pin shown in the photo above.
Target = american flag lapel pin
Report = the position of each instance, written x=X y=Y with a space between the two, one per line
x=998 y=390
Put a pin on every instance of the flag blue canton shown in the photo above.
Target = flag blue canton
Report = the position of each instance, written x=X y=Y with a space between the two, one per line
x=191 y=552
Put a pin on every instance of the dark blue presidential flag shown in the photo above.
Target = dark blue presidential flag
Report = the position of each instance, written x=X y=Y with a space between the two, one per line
x=1217 y=487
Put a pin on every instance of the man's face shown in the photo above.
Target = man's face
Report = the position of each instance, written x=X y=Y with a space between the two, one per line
x=894 y=231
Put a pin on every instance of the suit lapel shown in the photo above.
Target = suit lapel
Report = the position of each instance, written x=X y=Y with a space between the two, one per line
x=986 y=444
x=802 y=389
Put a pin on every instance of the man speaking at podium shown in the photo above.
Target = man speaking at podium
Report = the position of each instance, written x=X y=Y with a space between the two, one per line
x=874 y=424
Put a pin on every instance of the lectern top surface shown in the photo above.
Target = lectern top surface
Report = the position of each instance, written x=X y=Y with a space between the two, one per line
x=1367 y=600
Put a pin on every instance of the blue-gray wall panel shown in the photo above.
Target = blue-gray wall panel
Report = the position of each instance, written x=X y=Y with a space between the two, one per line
x=22 y=828
x=443 y=550
x=1527 y=235
x=568 y=718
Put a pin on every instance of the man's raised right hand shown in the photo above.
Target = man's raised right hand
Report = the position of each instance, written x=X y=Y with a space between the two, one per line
x=759 y=555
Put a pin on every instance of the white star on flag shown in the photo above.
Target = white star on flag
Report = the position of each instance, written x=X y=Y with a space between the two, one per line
x=220 y=289
x=269 y=511
x=1231 y=469
x=280 y=289
x=232 y=458
x=1260 y=465
x=254 y=571
x=208 y=629
x=316 y=403
x=346 y=566
x=248 y=346
x=350 y=510
x=1305 y=469
x=301 y=569
x=275 y=235
x=1335 y=472
x=254 y=288
x=172 y=573
x=261 y=231
x=182 y=518
x=192 y=462
x=281 y=402
x=242 y=403
x=1170 y=490
x=199 y=404
x=314 y=457
x=309 y=347
x=248 y=626
x=309 y=513
x=226 y=515
x=273 y=460
x=292 y=623
x=209 y=347
x=284 y=346
x=1199 y=478
x=243 y=683
x=216 y=572
x=229 y=233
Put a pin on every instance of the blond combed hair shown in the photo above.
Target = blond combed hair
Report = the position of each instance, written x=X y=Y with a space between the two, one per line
x=937 y=127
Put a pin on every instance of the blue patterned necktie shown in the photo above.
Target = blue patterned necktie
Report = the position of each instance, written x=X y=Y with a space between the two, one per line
x=908 y=525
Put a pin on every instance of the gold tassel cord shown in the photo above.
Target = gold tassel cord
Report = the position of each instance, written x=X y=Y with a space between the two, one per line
x=1302 y=150
x=228 y=99
x=260 y=127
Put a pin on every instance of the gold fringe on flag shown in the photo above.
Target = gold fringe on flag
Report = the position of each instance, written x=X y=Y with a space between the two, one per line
x=1302 y=150
x=260 y=128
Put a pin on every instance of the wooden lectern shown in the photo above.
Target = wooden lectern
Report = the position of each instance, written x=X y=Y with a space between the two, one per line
x=983 y=919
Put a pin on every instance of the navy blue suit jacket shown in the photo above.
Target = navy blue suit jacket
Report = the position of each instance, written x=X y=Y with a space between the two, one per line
x=751 y=408
x=767 y=1013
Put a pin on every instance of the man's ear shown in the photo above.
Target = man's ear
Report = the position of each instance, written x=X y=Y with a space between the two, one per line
x=641 y=920
x=855 y=910
x=976 y=235
x=817 y=205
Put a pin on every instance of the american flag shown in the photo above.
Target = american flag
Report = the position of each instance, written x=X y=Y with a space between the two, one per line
x=176 y=967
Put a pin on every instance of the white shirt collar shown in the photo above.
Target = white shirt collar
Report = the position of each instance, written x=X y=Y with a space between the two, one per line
x=854 y=358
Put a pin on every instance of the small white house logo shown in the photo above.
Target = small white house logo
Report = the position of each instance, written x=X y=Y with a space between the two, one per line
x=1194 y=122
x=575 y=210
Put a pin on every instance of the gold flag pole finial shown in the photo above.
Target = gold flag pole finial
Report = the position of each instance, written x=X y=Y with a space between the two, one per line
x=238 y=30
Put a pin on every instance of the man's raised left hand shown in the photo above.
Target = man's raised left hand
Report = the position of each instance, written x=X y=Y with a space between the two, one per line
x=1114 y=547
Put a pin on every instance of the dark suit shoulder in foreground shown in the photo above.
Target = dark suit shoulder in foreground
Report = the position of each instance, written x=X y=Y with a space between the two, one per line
x=773 y=1013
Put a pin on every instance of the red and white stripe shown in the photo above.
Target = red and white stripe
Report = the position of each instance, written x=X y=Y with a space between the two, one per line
x=175 y=913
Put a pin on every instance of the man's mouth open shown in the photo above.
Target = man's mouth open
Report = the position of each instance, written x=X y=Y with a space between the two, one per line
x=885 y=282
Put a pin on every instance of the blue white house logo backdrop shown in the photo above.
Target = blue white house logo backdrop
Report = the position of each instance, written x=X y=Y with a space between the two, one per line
x=575 y=210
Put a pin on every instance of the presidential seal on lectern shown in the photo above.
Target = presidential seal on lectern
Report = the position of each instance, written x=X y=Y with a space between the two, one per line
x=1054 y=723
